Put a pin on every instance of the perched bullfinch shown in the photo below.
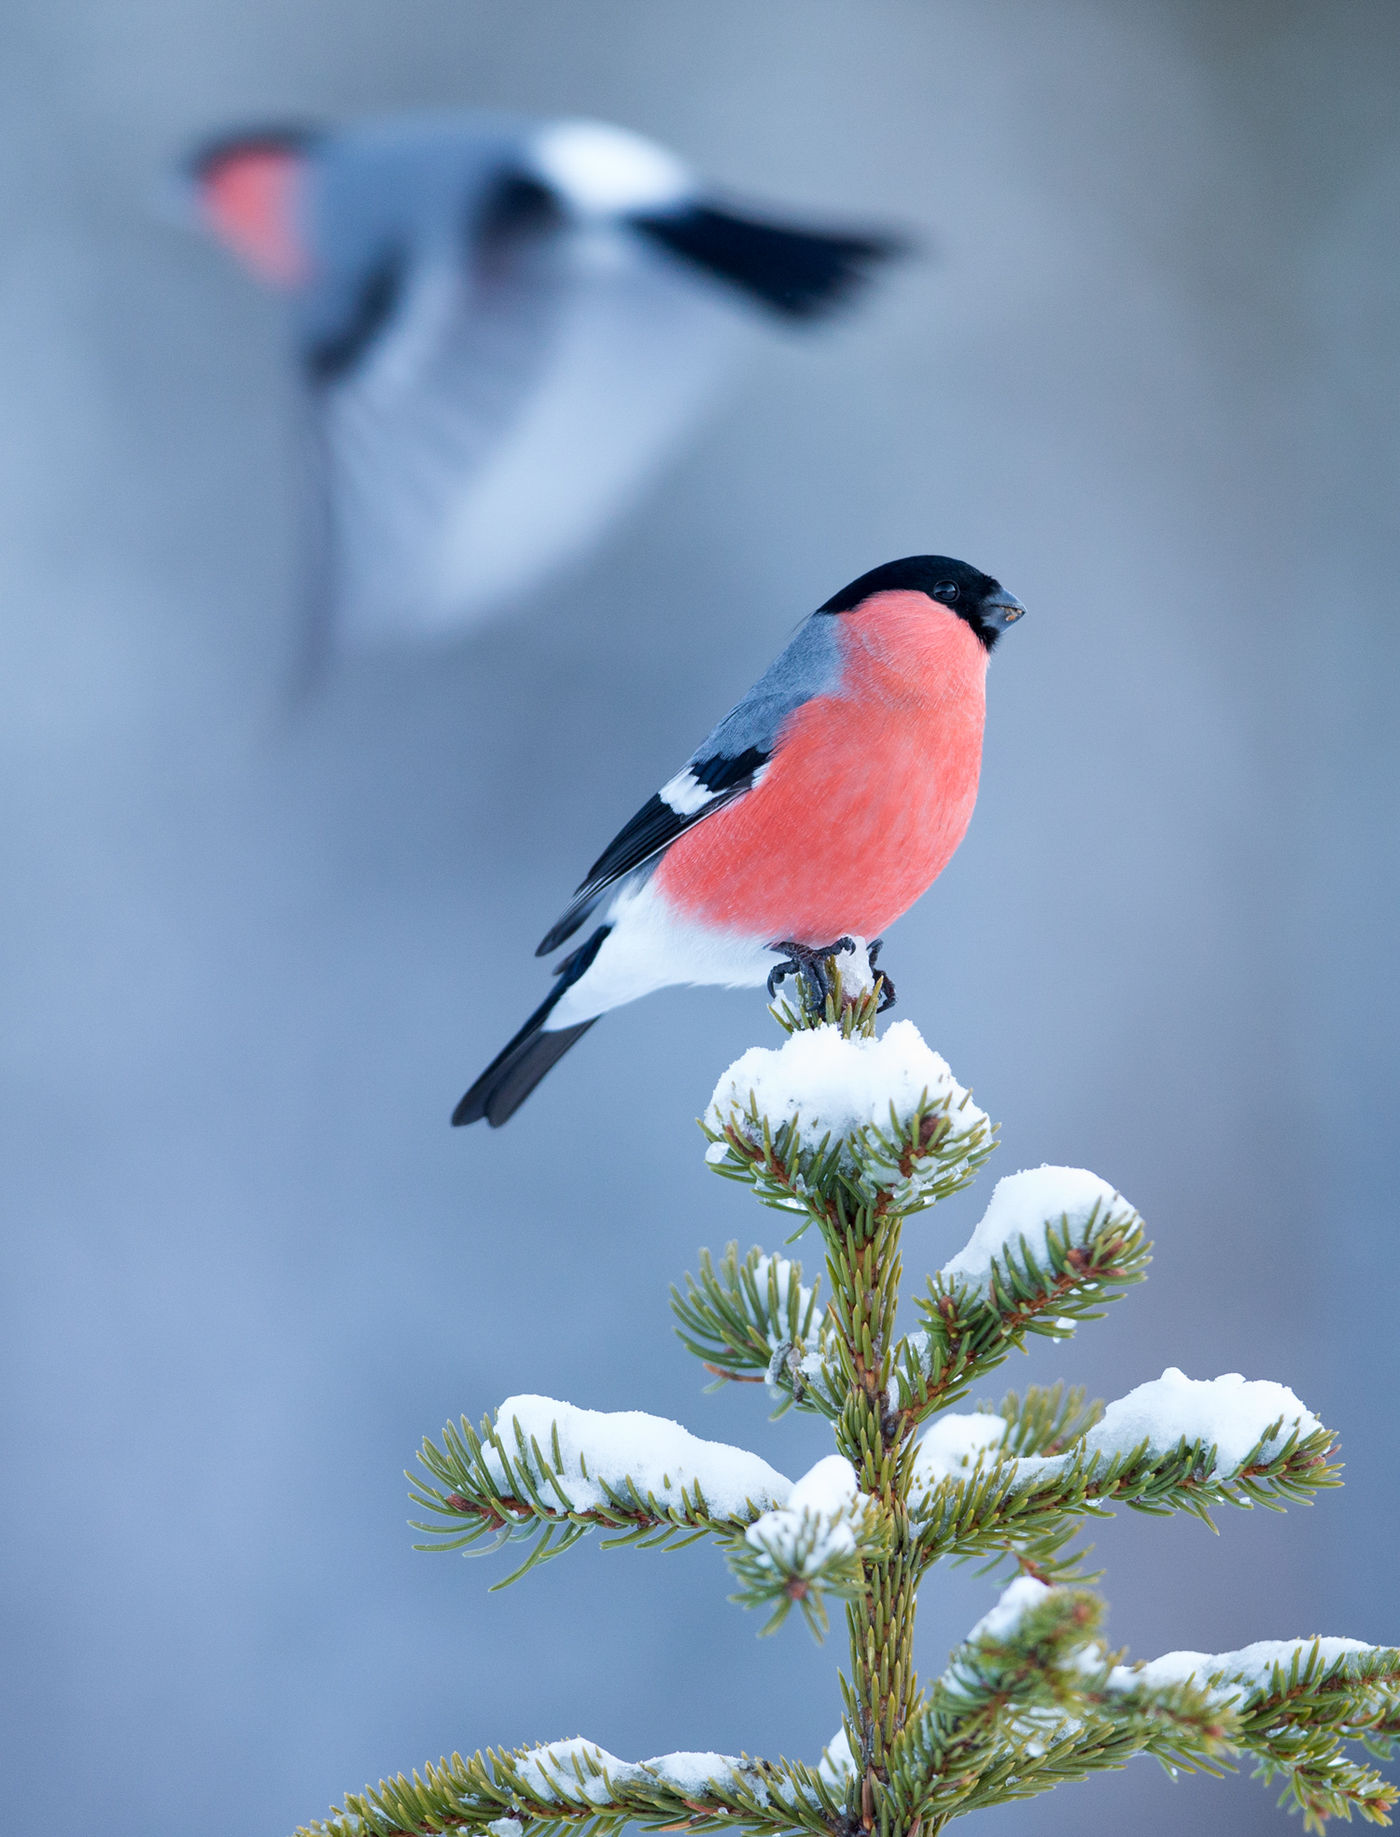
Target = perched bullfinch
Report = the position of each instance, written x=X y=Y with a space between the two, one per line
x=504 y=325
x=817 y=811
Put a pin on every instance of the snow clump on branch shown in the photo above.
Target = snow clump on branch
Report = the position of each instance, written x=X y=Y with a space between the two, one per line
x=847 y=1092
x=1026 y=1206
x=1238 y=1417
x=1011 y=1606
x=821 y=1520
x=837 y=1764
x=1248 y=1669
x=578 y=1771
x=1231 y=1413
x=587 y=1451
x=953 y=1444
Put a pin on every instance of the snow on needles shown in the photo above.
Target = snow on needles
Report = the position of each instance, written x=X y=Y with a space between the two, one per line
x=1015 y=1601
x=1234 y=1415
x=821 y=1520
x=1027 y=1205
x=1001 y=1626
x=775 y=1279
x=1224 y=1675
x=1231 y=1413
x=1250 y=1668
x=842 y=1089
x=952 y=1445
x=837 y=1763
x=598 y=1448
x=565 y=1772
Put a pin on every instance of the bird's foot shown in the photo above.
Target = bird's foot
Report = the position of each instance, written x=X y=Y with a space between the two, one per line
x=886 y=986
x=808 y=964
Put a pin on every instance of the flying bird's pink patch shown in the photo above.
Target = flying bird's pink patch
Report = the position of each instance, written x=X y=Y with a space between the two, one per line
x=869 y=793
x=251 y=197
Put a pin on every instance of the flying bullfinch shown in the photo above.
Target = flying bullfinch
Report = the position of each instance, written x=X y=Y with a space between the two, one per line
x=818 y=810
x=504 y=325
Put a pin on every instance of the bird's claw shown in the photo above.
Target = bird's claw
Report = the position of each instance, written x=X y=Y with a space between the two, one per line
x=887 y=997
x=808 y=963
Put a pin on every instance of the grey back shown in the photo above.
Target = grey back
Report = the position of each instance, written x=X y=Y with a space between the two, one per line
x=809 y=665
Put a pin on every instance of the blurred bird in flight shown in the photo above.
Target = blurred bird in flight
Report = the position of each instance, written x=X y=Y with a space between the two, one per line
x=505 y=325
x=817 y=812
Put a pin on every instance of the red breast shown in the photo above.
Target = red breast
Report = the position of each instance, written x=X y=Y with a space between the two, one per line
x=868 y=794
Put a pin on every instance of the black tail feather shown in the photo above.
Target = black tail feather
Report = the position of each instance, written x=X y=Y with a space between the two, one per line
x=799 y=273
x=509 y=1079
x=515 y=1071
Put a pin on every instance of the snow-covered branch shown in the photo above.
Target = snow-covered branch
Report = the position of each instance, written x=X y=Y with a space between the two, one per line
x=578 y=1787
x=1054 y=1247
x=1016 y=1710
x=549 y=1473
x=814 y=1546
x=1292 y=1704
x=1172 y=1445
x=1033 y=1697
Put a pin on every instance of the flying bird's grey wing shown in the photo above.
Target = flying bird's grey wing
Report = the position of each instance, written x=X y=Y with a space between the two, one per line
x=728 y=762
x=418 y=388
x=484 y=421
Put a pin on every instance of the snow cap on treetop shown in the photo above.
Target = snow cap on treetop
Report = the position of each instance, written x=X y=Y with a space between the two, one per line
x=835 y=1086
x=847 y=1093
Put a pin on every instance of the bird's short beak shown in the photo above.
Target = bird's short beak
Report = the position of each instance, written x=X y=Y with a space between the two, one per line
x=1001 y=609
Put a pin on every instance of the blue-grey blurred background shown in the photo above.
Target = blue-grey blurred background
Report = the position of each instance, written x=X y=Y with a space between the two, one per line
x=252 y=955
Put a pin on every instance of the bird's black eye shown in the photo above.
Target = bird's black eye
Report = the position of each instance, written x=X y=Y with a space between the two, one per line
x=946 y=590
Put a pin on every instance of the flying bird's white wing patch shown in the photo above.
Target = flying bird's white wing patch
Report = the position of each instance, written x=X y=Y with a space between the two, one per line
x=605 y=169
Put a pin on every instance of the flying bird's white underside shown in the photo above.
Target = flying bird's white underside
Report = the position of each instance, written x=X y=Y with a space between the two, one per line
x=501 y=424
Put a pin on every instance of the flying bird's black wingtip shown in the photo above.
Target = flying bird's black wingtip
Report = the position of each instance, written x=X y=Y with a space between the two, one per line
x=797 y=273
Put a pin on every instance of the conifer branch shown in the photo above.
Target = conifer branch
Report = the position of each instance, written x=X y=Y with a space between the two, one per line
x=754 y=1322
x=1292 y=1716
x=967 y=1333
x=1297 y=1717
x=1033 y=1699
x=810 y=1549
x=511 y=1487
x=1020 y=1708
x=1010 y=1503
x=578 y=1788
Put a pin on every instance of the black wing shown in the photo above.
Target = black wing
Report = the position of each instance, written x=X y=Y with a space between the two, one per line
x=706 y=785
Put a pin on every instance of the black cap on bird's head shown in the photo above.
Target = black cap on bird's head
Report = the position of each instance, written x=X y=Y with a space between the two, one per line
x=975 y=597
